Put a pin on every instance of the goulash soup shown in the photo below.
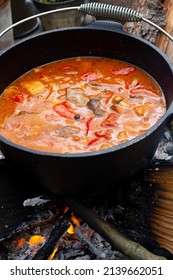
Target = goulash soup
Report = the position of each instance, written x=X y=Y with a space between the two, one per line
x=80 y=105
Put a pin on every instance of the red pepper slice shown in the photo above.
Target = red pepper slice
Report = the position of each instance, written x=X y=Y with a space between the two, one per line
x=92 y=141
x=110 y=120
x=18 y=98
x=66 y=104
x=143 y=91
x=104 y=133
x=63 y=111
x=109 y=96
x=90 y=76
x=88 y=125
x=123 y=71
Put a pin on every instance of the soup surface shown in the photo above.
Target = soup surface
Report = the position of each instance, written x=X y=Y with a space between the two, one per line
x=79 y=105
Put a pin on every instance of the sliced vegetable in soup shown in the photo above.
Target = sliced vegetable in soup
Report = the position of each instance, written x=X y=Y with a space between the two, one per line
x=79 y=105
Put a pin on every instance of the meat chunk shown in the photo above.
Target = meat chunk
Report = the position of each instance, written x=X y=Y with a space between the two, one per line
x=67 y=131
x=76 y=96
x=95 y=106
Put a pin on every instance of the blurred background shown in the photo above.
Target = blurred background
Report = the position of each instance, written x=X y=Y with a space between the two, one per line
x=12 y=11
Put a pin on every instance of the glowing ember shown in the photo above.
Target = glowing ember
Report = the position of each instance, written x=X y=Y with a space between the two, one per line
x=65 y=209
x=20 y=243
x=36 y=240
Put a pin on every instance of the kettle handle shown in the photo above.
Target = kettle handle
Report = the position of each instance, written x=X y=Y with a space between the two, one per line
x=118 y=13
x=101 y=11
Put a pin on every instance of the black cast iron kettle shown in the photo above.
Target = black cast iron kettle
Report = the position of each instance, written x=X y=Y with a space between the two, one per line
x=92 y=172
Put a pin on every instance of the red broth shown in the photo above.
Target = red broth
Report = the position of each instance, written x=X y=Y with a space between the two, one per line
x=79 y=105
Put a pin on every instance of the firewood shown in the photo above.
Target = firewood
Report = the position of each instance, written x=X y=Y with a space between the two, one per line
x=163 y=42
x=58 y=230
x=126 y=246
x=165 y=243
x=165 y=194
x=162 y=235
x=164 y=203
x=155 y=12
x=88 y=244
x=161 y=13
x=162 y=217
x=161 y=220
x=168 y=228
x=163 y=177
x=162 y=212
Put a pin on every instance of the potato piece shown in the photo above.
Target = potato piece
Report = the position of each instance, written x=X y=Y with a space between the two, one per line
x=34 y=87
x=117 y=99
x=104 y=146
x=122 y=136
x=142 y=109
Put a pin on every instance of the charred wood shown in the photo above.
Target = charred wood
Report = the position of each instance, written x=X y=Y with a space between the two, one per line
x=3 y=252
x=128 y=247
x=97 y=253
x=58 y=230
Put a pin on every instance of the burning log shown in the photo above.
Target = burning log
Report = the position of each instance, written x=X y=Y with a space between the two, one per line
x=128 y=247
x=58 y=230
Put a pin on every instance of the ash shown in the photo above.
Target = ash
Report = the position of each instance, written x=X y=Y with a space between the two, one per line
x=34 y=201
x=165 y=147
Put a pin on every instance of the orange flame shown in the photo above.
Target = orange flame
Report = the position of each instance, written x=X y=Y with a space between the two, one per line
x=71 y=229
x=75 y=221
x=36 y=240
x=53 y=253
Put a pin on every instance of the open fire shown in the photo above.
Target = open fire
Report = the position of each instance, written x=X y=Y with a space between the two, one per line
x=100 y=227
x=75 y=242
